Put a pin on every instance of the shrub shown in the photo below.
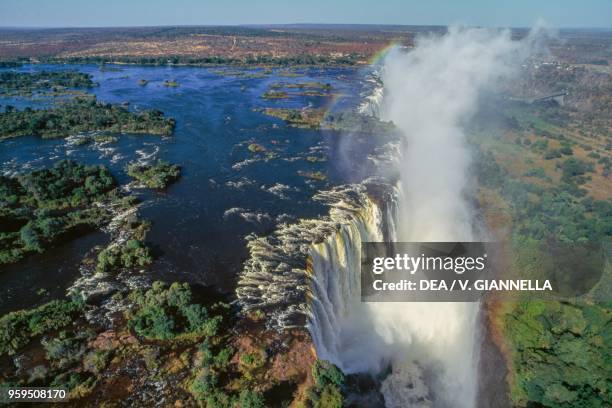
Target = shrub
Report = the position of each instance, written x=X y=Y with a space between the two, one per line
x=96 y=361
x=574 y=169
x=327 y=390
x=594 y=155
x=537 y=172
x=30 y=239
x=18 y=328
x=164 y=314
x=566 y=150
x=325 y=373
x=153 y=323
x=250 y=399
x=158 y=175
x=558 y=354
x=132 y=253
x=552 y=154
x=63 y=352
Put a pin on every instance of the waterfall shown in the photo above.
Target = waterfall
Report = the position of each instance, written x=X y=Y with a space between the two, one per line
x=415 y=340
x=335 y=304
x=372 y=101
x=285 y=275
x=429 y=93
x=308 y=274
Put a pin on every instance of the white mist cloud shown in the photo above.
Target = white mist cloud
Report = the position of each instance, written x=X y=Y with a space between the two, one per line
x=430 y=93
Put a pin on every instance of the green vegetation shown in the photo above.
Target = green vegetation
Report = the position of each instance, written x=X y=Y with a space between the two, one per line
x=74 y=354
x=278 y=90
x=315 y=159
x=86 y=139
x=557 y=349
x=211 y=388
x=313 y=175
x=17 y=329
x=43 y=207
x=167 y=313
x=64 y=351
x=327 y=389
x=104 y=139
x=105 y=68
x=540 y=213
x=319 y=119
x=219 y=60
x=574 y=171
x=552 y=154
x=537 y=172
x=157 y=175
x=24 y=83
x=302 y=118
x=242 y=73
x=311 y=85
x=289 y=73
x=354 y=122
x=12 y=63
x=275 y=95
x=256 y=148
x=130 y=254
x=81 y=115
x=560 y=354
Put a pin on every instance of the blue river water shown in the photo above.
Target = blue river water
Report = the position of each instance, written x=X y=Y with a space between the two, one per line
x=195 y=233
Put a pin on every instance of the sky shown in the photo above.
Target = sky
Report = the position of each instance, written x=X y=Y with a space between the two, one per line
x=493 y=13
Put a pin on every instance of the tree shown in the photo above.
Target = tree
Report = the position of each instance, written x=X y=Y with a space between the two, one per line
x=29 y=237
x=251 y=399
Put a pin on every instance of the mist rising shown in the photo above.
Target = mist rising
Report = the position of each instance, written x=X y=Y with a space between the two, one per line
x=430 y=93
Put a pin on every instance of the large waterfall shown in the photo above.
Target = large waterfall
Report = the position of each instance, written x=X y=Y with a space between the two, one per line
x=424 y=354
x=431 y=348
x=415 y=340
x=284 y=268
x=336 y=309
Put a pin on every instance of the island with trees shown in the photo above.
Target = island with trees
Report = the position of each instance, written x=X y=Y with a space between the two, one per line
x=82 y=115
x=157 y=175
x=42 y=208
x=25 y=83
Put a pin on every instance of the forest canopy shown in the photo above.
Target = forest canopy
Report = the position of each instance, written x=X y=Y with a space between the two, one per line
x=25 y=83
x=42 y=207
x=81 y=115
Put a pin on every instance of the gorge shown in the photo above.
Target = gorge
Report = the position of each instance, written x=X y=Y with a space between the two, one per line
x=424 y=354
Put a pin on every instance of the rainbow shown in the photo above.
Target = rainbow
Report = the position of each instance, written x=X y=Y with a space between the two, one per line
x=373 y=60
x=382 y=53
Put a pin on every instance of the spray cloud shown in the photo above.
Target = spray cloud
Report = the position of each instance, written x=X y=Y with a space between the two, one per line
x=430 y=94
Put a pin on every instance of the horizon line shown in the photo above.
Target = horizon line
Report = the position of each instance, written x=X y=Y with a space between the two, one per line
x=264 y=25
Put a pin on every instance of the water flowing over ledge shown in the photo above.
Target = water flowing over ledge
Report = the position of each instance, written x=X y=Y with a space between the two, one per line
x=285 y=275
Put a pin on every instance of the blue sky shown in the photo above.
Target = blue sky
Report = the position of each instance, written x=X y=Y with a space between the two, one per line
x=97 y=13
